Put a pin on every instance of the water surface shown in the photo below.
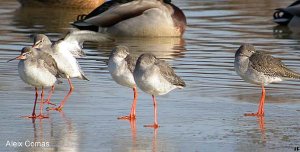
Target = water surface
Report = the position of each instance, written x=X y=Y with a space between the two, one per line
x=207 y=115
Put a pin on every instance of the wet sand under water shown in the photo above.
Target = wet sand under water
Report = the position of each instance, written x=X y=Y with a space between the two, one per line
x=207 y=115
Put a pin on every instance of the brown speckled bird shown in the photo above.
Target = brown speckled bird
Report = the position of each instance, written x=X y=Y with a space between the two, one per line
x=260 y=68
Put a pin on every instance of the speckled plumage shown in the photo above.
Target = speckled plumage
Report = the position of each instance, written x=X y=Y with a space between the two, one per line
x=259 y=67
x=271 y=66
x=169 y=74
x=131 y=61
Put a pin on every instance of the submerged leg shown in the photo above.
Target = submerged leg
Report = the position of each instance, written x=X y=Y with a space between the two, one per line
x=260 y=111
x=155 y=125
x=132 y=114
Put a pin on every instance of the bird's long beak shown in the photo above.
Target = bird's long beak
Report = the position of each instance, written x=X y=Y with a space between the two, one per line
x=20 y=57
x=34 y=46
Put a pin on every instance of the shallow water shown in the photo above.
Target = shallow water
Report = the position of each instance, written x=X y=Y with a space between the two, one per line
x=207 y=115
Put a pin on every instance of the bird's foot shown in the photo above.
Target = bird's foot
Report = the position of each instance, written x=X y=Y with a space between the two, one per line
x=41 y=116
x=59 y=108
x=152 y=126
x=254 y=114
x=31 y=116
x=49 y=103
x=130 y=117
x=35 y=116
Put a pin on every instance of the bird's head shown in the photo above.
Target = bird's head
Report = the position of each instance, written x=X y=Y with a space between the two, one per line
x=39 y=40
x=25 y=53
x=120 y=51
x=245 y=50
x=146 y=59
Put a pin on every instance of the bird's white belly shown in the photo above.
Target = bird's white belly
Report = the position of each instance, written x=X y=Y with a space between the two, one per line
x=153 y=22
x=250 y=75
x=35 y=76
x=67 y=64
x=254 y=77
x=154 y=84
x=121 y=75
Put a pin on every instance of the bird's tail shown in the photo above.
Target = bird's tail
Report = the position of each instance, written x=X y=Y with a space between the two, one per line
x=291 y=74
x=83 y=77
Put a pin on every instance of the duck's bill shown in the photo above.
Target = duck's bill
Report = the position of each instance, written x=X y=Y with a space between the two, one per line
x=20 y=57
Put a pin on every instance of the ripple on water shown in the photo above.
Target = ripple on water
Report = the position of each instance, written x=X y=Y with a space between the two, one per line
x=205 y=116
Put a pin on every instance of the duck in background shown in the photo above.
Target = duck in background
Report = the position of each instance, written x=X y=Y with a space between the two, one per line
x=83 y=4
x=288 y=16
x=141 y=18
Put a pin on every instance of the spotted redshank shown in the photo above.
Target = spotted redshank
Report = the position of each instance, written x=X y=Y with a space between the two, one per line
x=155 y=77
x=121 y=65
x=260 y=68
x=65 y=51
x=38 y=69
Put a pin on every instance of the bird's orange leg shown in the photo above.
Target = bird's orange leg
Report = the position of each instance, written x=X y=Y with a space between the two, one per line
x=33 y=115
x=260 y=111
x=49 y=96
x=41 y=116
x=133 y=107
x=62 y=103
x=155 y=125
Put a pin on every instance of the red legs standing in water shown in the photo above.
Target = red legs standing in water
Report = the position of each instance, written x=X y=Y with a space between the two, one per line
x=155 y=125
x=33 y=115
x=62 y=103
x=49 y=96
x=260 y=111
x=132 y=114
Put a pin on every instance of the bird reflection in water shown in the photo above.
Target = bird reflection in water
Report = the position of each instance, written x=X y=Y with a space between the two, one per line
x=261 y=122
x=163 y=48
x=133 y=131
x=154 y=140
x=56 y=137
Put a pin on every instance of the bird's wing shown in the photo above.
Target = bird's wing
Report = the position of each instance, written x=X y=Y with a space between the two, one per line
x=131 y=61
x=271 y=66
x=169 y=74
x=122 y=12
x=73 y=41
x=49 y=63
x=81 y=36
